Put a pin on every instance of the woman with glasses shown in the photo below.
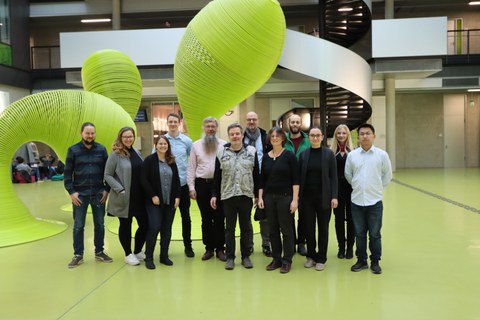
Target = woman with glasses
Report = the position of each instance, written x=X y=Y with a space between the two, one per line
x=122 y=173
x=341 y=146
x=318 y=195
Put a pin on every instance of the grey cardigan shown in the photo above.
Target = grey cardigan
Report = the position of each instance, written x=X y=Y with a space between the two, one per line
x=118 y=175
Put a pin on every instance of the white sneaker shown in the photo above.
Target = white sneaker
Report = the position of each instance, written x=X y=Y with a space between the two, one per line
x=132 y=260
x=309 y=263
x=320 y=266
x=140 y=256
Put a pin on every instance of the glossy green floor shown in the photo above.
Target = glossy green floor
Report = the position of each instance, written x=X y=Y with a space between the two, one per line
x=431 y=262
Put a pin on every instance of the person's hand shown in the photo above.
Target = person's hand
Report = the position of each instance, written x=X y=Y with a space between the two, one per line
x=75 y=199
x=104 y=197
x=260 y=203
x=156 y=200
x=177 y=202
x=334 y=203
x=213 y=203
x=293 y=206
x=193 y=194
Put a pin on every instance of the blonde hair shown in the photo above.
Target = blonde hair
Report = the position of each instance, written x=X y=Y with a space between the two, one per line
x=118 y=147
x=349 y=145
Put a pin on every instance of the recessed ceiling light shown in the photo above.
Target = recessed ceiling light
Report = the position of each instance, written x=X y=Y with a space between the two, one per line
x=473 y=90
x=474 y=3
x=345 y=9
x=95 y=20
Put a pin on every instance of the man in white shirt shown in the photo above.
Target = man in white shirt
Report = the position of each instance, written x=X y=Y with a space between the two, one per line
x=201 y=168
x=181 y=146
x=369 y=171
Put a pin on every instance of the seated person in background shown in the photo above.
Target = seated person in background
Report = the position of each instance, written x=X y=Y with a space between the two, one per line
x=48 y=170
x=24 y=169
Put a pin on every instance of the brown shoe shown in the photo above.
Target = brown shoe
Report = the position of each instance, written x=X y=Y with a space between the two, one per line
x=207 y=255
x=273 y=265
x=286 y=268
x=221 y=255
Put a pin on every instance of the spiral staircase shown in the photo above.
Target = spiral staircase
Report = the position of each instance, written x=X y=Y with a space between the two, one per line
x=342 y=22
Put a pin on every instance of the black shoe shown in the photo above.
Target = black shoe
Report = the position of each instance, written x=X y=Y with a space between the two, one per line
x=375 y=267
x=359 y=266
x=166 y=261
x=349 y=254
x=149 y=264
x=340 y=255
x=266 y=251
x=301 y=249
x=189 y=252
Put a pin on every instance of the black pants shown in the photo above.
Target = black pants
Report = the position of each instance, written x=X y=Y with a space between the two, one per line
x=184 y=207
x=279 y=219
x=213 y=221
x=343 y=213
x=160 y=220
x=299 y=233
x=125 y=232
x=312 y=212
x=240 y=206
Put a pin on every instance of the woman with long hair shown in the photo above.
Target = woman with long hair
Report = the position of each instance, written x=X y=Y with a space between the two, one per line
x=278 y=194
x=161 y=184
x=341 y=146
x=122 y=173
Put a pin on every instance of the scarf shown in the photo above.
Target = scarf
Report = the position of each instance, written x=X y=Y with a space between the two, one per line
x=252 y=137
x=343 y=147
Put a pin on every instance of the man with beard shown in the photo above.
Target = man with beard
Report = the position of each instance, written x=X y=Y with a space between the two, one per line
x=201 y=168
x=297 y=141
x=256 y=137
x=83 y=179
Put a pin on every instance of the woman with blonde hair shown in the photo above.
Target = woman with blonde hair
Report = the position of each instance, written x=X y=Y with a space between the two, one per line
x=341 y=146
x=122 y=173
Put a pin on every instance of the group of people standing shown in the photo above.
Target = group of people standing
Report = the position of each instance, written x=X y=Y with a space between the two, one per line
x=281 y=172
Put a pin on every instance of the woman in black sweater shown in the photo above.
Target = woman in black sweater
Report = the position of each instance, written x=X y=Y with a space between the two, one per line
x=161 y=184
x=318 y=195
x=278 y=194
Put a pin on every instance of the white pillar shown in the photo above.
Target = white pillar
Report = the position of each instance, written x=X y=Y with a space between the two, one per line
x=390 y=115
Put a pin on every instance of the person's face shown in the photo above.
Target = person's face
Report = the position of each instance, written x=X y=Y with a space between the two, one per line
x=162 y=145
x=316 y=137
x=128 y=138
x=366 y=138
x=88 y=134
x=210 y=128
x=252 y=121
x=295 y=123
x=235 y=136
x=173 y=124
x=342 y=135
x=276 y=139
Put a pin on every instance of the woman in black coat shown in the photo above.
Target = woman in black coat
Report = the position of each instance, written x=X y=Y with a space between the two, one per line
x=161 y=185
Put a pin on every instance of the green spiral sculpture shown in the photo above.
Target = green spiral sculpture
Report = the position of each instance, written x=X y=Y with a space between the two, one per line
x=229 y=50
x=113 y=74
x=54 y=118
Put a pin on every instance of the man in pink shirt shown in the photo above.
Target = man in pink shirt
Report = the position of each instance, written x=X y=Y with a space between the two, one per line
x=201 y=167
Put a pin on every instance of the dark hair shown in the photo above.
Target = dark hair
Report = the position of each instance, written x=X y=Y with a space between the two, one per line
x=278 y=131
x=366 y=125
x=234 y=125
x=174 y=115
x=87 y=124
x=118 y=146
x=19 y=159
x=316 y=127
x=169 y=157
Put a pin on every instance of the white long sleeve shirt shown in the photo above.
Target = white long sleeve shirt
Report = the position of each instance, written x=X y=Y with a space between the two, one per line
x=369 y=172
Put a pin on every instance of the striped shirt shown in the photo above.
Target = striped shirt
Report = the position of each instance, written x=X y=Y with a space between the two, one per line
x=84 y=169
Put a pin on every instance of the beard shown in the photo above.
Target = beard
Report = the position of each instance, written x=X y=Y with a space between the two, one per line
x=210 y=143
x=294 y=130
x=88 y=143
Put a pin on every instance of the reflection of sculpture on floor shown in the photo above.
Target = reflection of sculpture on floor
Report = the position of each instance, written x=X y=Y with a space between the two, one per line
x=54 y=118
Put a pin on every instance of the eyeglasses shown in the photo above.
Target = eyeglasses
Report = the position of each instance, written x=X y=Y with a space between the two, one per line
x=365 y=134
x=316 y=136
x=127 y=137
x=253 y=120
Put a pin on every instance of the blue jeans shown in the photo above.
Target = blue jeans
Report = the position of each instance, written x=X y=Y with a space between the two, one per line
x=79 y=216
x=368 y=219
